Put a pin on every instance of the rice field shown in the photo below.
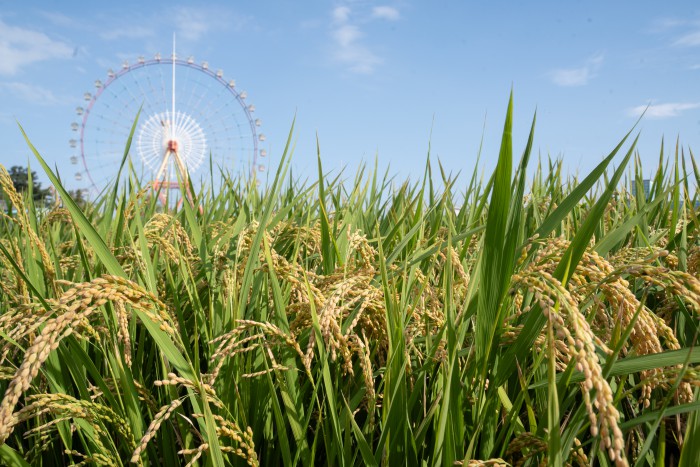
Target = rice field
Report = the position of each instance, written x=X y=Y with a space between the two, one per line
x=522 y=318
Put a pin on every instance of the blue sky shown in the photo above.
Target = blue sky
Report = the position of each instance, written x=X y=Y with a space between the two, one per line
x=376 y=79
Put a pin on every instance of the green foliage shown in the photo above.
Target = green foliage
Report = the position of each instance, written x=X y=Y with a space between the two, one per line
x=357 y=321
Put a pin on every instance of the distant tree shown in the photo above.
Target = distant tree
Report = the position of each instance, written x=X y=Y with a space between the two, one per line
x=79 y=197
x=20 y=180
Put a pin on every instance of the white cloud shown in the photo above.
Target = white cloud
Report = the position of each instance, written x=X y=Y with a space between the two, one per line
x=385 y=12
x=341 y=14
x=691 y=39
x=30 y=93
x=659 y=111
x=577 y=76
x=357 y=57
x=349 y=45
x=20 y=47
x=129 y=32
x=347 y=35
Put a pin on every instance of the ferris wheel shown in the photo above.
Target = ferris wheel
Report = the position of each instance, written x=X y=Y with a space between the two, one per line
x=191 y=118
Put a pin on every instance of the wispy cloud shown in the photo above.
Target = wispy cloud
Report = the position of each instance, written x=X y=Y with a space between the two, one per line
x=347 y=35
x=30 y=93
x=691 y=39
x=386 y=12
x=341 y=14
x=127 y=32
x=666 y=24
x=59 y=19
x=660 y=111
x=20 y=47
x=193 y=23
x=350 y=47
x=579 y=76
x=685 y=30
x=357 y=57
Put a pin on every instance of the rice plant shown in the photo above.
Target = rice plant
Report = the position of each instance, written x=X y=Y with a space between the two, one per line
x=530 y=318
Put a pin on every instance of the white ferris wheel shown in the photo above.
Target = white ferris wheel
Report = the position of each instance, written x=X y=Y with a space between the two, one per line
x=191 y=117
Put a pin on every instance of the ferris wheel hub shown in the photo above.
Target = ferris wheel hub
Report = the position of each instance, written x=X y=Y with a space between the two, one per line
x=163 y=134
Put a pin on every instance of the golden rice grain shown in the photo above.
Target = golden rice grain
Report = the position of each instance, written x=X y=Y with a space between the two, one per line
x=163 y=414
x=75 y=306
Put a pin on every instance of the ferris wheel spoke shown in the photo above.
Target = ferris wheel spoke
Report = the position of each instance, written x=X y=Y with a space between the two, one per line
x=188 y=124
x=125 y=99
x=216 y=112
x=151 y=91
x=121 y=116
x=186 y=97
x=198 y=83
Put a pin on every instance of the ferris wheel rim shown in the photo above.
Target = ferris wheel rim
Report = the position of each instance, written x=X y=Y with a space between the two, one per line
x=217 y=75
